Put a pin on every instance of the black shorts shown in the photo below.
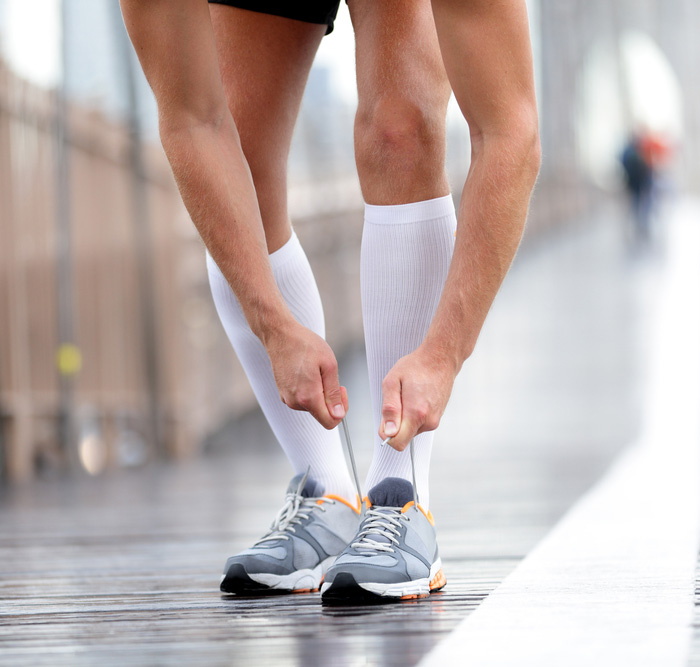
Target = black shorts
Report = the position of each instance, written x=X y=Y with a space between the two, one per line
x=322 y=12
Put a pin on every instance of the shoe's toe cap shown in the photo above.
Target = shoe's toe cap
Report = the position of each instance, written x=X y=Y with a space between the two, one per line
x=367 y=573
x=252 y=561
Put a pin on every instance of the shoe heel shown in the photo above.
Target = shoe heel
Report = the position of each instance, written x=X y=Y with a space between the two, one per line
x=438 y=581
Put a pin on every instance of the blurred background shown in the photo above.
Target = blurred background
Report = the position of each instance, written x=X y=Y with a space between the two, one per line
x=111 y=353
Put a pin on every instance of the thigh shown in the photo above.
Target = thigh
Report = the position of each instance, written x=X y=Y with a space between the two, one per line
x=397 y=49
x=401 y=81
x=264 y=62
x=310 y=11
x=175 y=45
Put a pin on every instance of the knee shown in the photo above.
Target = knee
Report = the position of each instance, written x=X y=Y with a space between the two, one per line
x=397 y=133
x=188 y=127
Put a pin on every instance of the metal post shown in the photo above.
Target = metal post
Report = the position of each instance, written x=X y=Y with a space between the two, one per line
x=67 y=356
x=142 y=237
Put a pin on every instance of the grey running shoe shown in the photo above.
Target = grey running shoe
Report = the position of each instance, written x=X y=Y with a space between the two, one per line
x=394 y=555
x=308 y=533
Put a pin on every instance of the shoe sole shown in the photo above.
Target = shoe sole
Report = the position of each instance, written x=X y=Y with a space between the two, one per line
x=236 y=580
x=346 y=590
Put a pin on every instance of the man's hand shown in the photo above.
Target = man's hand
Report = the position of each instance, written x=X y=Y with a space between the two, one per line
x=415 y=394
x=306 y=373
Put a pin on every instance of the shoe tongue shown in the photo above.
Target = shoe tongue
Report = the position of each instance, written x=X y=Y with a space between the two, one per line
x=391 y=492
x=312 y=488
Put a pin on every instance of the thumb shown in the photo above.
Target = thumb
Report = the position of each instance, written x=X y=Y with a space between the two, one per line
x=332 y=392
x=344 y=393
x=391 y=407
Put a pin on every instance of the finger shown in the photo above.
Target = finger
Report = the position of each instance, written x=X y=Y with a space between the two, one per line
x=332 y=392
x=317 y=408
x=344 y=393
x=413 y=413
x=310 y=399
x=407 y=431
x=391 y=407
x=430 y=423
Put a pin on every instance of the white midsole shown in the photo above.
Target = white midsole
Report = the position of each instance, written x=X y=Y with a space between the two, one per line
x=415 y=587
x=299 y=580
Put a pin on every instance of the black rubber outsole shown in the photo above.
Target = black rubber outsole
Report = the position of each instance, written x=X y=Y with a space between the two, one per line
x=237 y=582
x=346 y=591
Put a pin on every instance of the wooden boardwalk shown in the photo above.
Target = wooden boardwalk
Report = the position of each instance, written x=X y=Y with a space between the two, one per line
x=124 y=569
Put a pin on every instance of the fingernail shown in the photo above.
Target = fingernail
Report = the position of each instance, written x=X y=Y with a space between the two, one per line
x=390 y=428
x=338 y=411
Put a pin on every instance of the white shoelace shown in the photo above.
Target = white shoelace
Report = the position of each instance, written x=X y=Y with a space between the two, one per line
x=351 y=454
x=383 y=522
x=348 y=444
x=296 y=507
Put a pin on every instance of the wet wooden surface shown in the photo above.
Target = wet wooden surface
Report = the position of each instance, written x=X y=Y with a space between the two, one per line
x=124 y=569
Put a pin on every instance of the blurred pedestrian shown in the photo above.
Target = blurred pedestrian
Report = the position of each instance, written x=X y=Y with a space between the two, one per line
x=228 y=90
x=639 y=178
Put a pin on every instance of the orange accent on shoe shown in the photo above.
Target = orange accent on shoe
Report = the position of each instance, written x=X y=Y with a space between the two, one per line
x=438 y=581
x=305 y=590
x=428 y=515
x=332 y=496
x=414 y=596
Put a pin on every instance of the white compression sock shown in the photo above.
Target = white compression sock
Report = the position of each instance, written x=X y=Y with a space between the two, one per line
x=303 y=439
x=406 y=253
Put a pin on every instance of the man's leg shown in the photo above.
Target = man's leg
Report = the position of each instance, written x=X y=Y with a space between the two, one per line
x=485 y=47
x=409 y=218
x=264 y=62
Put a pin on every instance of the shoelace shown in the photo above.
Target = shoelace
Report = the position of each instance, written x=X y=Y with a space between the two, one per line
x=296 y=507
x=351 y=454
x=384 y=522
x=348 y=444
x=378 y=521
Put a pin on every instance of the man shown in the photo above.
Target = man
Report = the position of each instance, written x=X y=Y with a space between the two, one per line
x=227 y=129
